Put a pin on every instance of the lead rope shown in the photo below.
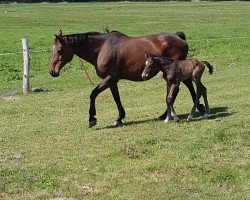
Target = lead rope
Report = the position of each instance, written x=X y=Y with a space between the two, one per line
x=85 y=70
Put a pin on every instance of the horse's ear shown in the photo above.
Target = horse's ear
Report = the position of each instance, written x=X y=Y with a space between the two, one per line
x=60 y=33
x=147 y=55
x=58 y=37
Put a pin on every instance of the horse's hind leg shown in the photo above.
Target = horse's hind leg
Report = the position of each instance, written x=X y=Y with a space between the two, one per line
x=189 y=84
x=116 y=95
x=204 y=94
x=198 y=95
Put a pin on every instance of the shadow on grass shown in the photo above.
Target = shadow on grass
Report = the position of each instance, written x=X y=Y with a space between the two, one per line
x=215 y=113
x=131 y=123
x=139 y=122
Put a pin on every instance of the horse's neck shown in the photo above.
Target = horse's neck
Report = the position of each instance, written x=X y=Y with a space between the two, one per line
x=89 y=49
x=168 y=67
x=165 y=64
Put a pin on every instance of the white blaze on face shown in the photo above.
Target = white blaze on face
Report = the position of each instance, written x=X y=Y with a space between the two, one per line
x=53 y=47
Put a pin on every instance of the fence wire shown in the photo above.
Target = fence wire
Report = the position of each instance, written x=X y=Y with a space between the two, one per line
x=17 y=53
x=196 y=40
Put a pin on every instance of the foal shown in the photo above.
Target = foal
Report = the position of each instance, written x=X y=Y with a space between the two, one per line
x=176 y=71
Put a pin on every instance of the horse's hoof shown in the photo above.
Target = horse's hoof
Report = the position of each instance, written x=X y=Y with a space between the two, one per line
x=176 y=119
x=166 y=120
x=117 y=123
x=162 y=117
x=190 y=117
x=206 y=116
x=201 y=108
x=93 y=123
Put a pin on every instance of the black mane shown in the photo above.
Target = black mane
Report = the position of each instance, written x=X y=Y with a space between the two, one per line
x=79 y=38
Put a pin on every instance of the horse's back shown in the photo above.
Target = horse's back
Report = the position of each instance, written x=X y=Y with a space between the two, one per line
x=126 y=55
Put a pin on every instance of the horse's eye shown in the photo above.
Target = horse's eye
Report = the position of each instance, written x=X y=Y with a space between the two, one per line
x=59 y=51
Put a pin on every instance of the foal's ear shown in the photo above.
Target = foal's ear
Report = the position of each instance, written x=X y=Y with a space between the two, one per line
x=147 y=55
x=60 y=32
x=59 y=37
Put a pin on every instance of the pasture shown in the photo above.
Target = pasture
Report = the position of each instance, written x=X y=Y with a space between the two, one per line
x=47 y=150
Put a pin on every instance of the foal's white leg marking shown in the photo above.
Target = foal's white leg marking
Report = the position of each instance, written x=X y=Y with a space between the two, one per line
x=167 y=119
x=190 y=117
x=117 y=124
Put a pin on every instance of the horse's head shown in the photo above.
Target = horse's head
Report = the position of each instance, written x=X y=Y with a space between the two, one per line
x=151 y=67
x=62 y=53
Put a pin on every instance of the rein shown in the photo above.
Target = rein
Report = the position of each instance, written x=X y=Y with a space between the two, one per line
x=86 y=72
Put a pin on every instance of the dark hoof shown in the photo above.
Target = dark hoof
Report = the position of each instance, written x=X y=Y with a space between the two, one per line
x=117 y=123
x=162 y=117
x=93 y=123
x=201 y=108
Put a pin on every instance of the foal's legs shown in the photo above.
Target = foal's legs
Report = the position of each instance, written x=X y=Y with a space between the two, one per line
x=164 y=115
x=106 y=82
x=204 y=94
x=170 y=103
x=189 y=84
x=198 y=95
x=116 y=95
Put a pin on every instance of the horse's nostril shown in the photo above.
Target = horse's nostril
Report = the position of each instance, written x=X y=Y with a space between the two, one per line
x=51 y=73
x=144 y=76
x=54 y=74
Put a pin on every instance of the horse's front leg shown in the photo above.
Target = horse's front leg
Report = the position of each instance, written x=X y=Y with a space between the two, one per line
x=106 y=82
x=170 y=103
x=116 y=95
x=164 y=115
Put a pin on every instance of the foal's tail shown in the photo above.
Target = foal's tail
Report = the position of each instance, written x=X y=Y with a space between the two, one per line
x=210 y=67
x=181 y=35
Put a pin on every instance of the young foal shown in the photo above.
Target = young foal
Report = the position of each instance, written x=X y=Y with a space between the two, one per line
x=176 y=71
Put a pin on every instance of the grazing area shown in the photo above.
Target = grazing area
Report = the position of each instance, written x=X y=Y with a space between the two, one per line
x=47 y=150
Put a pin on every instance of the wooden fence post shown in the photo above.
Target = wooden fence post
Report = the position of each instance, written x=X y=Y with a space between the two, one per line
x=26 y=65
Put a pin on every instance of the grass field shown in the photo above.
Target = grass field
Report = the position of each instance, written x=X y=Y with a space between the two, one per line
x=47 y=150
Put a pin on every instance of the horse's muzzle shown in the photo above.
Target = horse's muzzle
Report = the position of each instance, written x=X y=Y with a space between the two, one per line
x=144 y=76
x=54 y=74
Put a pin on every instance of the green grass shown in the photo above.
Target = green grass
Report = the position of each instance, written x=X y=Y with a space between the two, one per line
x=47 y=150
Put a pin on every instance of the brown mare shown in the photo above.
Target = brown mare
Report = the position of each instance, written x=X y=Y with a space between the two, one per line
x=117 y=56
x=175 y=72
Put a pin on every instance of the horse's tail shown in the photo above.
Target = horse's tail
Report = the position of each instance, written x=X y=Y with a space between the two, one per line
x=181 y=35
x=210 y=67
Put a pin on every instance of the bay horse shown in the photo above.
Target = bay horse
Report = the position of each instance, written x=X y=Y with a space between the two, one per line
x=175 y=72
x=117 y=56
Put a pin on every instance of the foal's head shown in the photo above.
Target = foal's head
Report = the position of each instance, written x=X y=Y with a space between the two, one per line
x=62 y=53
x=151 y=67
